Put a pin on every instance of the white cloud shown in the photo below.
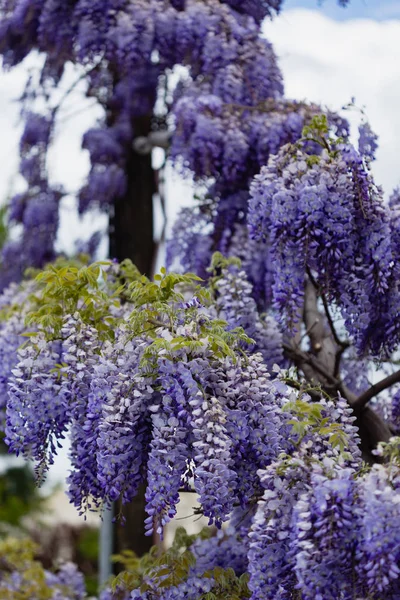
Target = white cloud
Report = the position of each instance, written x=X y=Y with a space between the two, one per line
x=329 y=62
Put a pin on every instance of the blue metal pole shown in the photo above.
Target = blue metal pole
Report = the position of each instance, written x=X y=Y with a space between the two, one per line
x=106 y=546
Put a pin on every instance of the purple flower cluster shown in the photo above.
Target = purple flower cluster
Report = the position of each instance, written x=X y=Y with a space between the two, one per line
x=327 y=216
x=36 y=209
x=11 y=330
x=66 y=584
x=190 y=245
x=219 y=138
x=215 y=478
x=367 y=141
x=36 y=408
x=324 y=532
x=236 y=305
x=256 y=8
x=190 y=420
x=68 y=578
x=325 y=520
x=223 y=143
x=270 y=557
x=354 y=372
x=303 y=492
x=378 y=546
x=190 y=589
x=218 y=42
x=395 y=411
x=224 y=550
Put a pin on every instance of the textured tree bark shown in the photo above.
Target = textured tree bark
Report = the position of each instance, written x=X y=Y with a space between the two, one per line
x=320 y=365
x=129 y=532
x=131 y=236
x=131 y=224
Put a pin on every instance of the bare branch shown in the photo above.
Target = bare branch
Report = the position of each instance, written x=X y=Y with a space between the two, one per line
x=300 y=358
x=374 y=390
x=342 y=343
x=322 y=343
x=372 y=429
x=155 y=139
x=72 y=87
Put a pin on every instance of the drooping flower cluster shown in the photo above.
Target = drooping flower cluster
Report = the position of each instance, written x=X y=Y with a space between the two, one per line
x=229 y=113
x=367 y=141
x=36 y=392
x=124 y=48
x=324 y=215
x=395 y=411
x=271 y=573
x=155 y=389
x=190 y=246
x=36 y=208
x=12 y=326
x=236 y=305
x=324 y=531
x=162 y=410
x=378 y=548
x=219 y=223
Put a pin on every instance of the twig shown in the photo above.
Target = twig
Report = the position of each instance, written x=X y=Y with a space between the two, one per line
x=71 y=88
x=343 y=344
x=298 y=386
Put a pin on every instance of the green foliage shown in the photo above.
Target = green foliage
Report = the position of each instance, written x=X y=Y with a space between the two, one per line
x=308 y=418
x=68 y=289
x=3 y=225
x=318 y=127
x=390 y=451
x=18 y=494
x=172 y=567
x=167 y=569
x=227 y=585
x=219 y=262
x=17 y=555
x=159 y=306
x=318 y=131
x=88 y=543
x=86 y=557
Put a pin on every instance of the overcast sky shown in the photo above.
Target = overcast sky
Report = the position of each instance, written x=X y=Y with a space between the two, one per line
x=328 y=55
x=378 y=10
x=330 y=61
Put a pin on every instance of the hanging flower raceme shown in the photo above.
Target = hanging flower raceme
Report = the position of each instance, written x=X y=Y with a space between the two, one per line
x=378 y=549
x=323 y=214
x=236 y=305
x=128 y=46
x=36 y=208
x=13 y=306
x=155 y=389
x=325 y=530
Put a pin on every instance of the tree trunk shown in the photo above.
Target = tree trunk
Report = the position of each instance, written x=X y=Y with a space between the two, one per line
x=131 y=224
x=131 y=236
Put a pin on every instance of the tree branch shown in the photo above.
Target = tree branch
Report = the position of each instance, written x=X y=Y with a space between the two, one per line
x=155 y=139
x=374 y=390
x=300 y=358
x=343 y=344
